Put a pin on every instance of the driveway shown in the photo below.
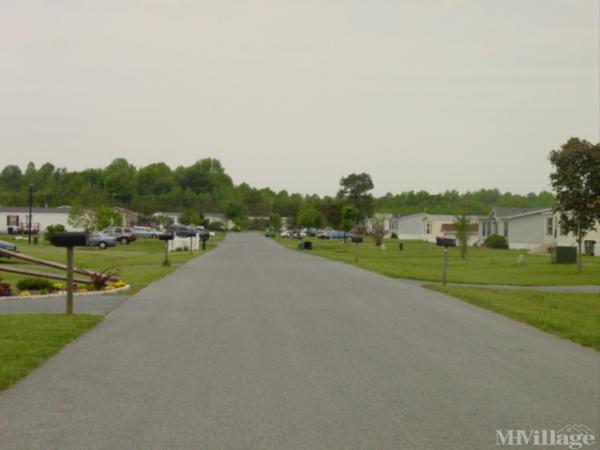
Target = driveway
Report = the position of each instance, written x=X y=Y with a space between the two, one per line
x=253 y=346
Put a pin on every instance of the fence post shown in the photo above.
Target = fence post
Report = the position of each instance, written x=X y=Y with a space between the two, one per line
x=70 y=258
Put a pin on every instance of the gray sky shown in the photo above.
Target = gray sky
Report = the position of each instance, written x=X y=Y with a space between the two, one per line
x=434 y=95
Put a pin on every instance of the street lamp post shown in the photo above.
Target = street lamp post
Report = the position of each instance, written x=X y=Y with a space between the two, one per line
x=30 y=212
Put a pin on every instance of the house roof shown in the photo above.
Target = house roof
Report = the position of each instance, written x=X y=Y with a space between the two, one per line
x=502 y=211
x=25 y=209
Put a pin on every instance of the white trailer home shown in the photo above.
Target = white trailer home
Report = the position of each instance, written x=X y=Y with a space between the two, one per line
x=15 y=219
x=530 y=228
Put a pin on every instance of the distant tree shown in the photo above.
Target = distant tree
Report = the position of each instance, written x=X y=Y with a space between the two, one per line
x=107 y=217
x=576 y=181
x=10 y=178
x=82 y=218
x=348 y=216
x=190 y=217
x=275 y=221
x=236 y=211
x=309 y=218
x=462 y=222
x=332 y=213
x=355 y=189
x=154 y=179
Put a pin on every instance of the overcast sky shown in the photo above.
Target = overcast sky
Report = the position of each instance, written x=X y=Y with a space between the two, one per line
x=433 y=95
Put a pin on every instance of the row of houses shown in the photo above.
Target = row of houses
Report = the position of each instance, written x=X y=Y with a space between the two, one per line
x=523 y=228
x=15 y=219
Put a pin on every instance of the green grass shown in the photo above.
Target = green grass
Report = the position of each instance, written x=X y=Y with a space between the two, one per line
x=423 y=261
x=574 y=316
x=139 y=263
x=27 y=340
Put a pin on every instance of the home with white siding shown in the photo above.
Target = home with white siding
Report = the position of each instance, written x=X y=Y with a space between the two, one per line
x=15 y=219
x=529 y=228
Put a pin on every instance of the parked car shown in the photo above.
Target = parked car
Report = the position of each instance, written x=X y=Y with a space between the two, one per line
x=294 y=234
x=146 y=232
x=7 y=246
x=182 y=230
x=101 y=240
x=124 y=235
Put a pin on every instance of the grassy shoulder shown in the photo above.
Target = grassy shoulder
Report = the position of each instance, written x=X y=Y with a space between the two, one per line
x=574 y=316
x=423 y=261
x=27 y=340
x=139 y=263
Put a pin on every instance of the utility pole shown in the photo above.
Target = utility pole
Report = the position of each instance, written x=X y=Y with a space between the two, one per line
x=30 y=212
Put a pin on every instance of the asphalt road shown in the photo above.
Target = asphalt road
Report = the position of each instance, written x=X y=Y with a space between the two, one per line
x=253 y=346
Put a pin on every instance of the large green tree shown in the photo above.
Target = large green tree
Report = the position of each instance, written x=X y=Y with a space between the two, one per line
x=576 y=182
x=355 y=189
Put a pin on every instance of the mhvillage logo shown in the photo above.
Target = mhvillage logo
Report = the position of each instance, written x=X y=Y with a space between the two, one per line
x=571 y=436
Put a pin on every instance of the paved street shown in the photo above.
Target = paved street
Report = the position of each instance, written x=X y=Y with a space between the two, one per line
x=254 y=346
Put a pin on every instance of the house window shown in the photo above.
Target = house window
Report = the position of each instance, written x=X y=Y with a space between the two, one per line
x=563 y=229
x=495 y=225
x=555 y=227
x=549 y=226
x=428 y=228
x=12 y=221
x=506 y=229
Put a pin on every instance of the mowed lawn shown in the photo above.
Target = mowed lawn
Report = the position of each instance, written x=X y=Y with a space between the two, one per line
x=27 y=340
x=574 y=316
x=139 y=263
x=423 y=261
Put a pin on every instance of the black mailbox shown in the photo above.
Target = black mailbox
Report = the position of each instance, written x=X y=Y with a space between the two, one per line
x=357 y=239
x=204 y=236
x=445 y=242
x=165 y=237
x=69 y=239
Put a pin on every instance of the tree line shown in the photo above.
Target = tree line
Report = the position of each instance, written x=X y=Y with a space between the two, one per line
x=205 y=187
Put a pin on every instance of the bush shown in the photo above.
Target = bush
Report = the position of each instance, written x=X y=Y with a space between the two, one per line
x=394 y=235
x=216 y=226
x=34 y=284
x=51 y=230
x=5 y=290
x=496 y=241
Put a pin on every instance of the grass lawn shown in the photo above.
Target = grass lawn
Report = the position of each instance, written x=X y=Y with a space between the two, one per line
x=139 y=263
x=423 y=261
x=574 y=316
x=27 y=340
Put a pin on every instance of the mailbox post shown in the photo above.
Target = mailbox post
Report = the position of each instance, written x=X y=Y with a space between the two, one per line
x=357 y=240
x=445 y=269
x=204 y=236
x=70 y=240
x=166 y=237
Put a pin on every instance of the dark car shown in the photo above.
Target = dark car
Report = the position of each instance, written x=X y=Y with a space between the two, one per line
x=7 y=246
x=182 y=231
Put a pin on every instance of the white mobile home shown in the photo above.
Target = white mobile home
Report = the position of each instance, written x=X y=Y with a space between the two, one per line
x=15 y=219
x=530 y=228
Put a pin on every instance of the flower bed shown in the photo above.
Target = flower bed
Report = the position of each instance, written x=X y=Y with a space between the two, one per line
x=58 y=289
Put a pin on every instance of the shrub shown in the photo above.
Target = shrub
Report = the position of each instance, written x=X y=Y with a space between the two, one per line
x=34 y=284
x=496 y=241
x=5 y=290
x=51 y=230
x=216 y=226
x=394 y=235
